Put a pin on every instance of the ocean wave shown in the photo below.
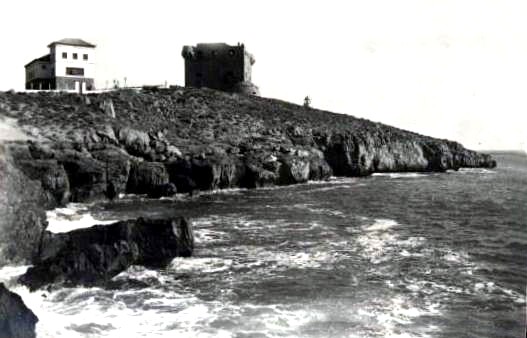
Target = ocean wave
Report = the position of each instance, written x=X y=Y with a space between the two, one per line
x=392 y=312
x=478 y=171
x=316 y=209
x=73 y=216
x=200 y=264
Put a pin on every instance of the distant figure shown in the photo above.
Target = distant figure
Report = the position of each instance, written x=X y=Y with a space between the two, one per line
x=307 y=102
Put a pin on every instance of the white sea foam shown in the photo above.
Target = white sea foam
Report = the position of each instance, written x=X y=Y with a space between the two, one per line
x=381 y=224
x=317 y=210
x=391 y=312
x=140 y=273
x=376 y=240
x=200 y=264
x=10 y=272
x=73 y=216
x=399 y=175
x=477 y=171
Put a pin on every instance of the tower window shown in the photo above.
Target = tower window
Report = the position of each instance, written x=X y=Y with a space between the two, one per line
x=64 y=55
x=74 y=56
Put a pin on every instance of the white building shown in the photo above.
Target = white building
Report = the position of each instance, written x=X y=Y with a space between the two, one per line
x=70 y=65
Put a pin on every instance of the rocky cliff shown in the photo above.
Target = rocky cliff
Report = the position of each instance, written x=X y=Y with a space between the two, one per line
x=16 y=320
x=157 y=142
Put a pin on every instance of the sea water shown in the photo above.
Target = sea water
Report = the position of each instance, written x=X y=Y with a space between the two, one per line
x=392 y=255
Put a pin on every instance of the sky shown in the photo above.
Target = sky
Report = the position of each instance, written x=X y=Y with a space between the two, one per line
x=448 y=69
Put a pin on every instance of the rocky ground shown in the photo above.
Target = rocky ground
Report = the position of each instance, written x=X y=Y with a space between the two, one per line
x=157 y=140
x=16 y=320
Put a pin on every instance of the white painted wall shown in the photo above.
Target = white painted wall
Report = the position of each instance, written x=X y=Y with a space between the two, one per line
x=61 y=64
x=36 y=71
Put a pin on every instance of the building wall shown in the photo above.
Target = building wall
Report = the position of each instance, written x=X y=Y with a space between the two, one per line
x=39 y=70
x=62 y=64
x=216 y=66
x=73 y=83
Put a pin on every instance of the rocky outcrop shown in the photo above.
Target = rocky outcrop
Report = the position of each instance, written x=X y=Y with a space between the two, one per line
x=52 y=177
x=16 y=320
x=147 y=176
x=94 y=255
x=199 y=139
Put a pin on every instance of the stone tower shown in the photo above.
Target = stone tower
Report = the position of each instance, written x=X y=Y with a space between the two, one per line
x=219 y=66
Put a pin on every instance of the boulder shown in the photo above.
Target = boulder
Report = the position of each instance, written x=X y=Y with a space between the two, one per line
x=136 y=142
x=117 y=166
x=92 y=256
x=145 y=177
x=87 y=176
x=16 y=319
x=293 y=170
x=257 y=177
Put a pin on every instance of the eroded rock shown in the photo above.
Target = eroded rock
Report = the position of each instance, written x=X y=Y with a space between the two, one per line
x=16 y=319
x=92 y=256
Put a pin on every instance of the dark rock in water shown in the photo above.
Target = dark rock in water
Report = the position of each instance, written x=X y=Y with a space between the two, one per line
x=94 y=255
x=146 y=176
x=16 y=320
x=163 y=190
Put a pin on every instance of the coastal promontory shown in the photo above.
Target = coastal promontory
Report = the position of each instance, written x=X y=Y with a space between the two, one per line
x=157 y=142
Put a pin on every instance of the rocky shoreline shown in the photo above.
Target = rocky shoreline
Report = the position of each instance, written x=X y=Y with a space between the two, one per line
x=83 y=148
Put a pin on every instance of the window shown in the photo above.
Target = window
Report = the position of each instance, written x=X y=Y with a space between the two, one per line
x=85 y=57
x=64 y=55
x=43 y=66
x=74 y=56
x=75 y=71
x=231 y=52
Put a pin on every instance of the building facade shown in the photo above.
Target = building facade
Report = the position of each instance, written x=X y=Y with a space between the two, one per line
x=70 y=65
x=219 y=66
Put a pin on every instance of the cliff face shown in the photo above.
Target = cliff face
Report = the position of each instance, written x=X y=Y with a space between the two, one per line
x=16 y=320
x=204 y=139
x=22 y=216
